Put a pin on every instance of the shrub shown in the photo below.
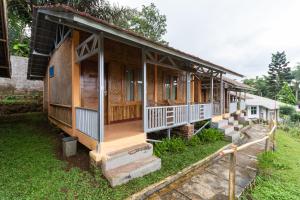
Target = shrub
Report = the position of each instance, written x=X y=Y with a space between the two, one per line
x=295 y=117
x=210 y=135
x=287 y=110
x=174 y=145
x=194 y=141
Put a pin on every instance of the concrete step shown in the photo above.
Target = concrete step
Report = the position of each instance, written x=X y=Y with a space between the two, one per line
x=233 y=136
x=125 y=156
x=227 y=129
x=136 y=169
x=230 y=119
x=220 y=123
x=238 y=127
x=234 y=123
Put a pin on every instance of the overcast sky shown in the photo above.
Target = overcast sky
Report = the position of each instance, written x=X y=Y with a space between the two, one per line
x=238 y=34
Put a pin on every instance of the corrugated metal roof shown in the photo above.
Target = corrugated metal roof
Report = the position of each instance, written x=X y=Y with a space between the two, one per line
x=42 y=28
x=5 y=70
x=254 y=100
x=237 y=84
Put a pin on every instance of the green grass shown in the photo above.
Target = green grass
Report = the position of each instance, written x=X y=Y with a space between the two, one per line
x=29 y=168
x=279 y=176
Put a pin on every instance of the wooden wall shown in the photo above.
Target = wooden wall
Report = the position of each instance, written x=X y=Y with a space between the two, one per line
x=161 y=76
x=60 y=86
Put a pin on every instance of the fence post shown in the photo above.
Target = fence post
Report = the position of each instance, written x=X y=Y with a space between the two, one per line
x=267 y=144
x=232 y=173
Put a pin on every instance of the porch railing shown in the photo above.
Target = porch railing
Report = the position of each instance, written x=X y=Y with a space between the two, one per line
x=232 y=107
x=87 y=122
x=200 y=112
x=242 y=105
x=163 y=117
x=217 y=109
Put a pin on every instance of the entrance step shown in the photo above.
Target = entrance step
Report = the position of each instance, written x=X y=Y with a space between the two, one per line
x=139 y=168
x=127 y=155
x=233 y=136
x=234 y=123
x=230 y=119
x=238 y=127
x=220 y=124
x=227 y=129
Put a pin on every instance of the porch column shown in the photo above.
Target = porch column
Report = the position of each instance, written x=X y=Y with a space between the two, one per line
x=212 y=93
x=221 y=94
x=188 y=94
x=101 y=89
x=145 y=118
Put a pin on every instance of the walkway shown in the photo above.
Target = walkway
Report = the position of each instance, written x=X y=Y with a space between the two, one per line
x=212 y=181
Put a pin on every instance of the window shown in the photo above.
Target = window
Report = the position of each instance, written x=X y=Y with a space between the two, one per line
x=174 y=87
x=171 y=87
x=51 y=71
x=129 y=85
x=253 y=110
x=140 y=85
x=167 y=87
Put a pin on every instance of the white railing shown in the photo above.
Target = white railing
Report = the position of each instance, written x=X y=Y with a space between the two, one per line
x=87 y=122
x=242 y=105
x=200 y=112
x=232 y=107
x=217 y=109
x=163 y=117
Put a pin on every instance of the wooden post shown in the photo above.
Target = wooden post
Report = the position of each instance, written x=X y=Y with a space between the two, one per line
x=145 y=118
x=188 y=94
x=155 y=82
x=75 y=80
x=212 y=93
x=221 y=94
x=267 y=144
x=101 y=89
x=232 y=161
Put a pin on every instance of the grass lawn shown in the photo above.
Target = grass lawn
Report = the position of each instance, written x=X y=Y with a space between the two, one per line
x=279 y=176
x=31 y=168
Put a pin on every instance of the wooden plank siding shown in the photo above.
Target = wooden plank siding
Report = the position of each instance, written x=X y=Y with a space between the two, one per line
x=59 y=86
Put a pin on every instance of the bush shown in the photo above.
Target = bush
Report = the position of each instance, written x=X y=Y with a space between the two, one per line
x=295 y=117
x=194 y=141
x=173 y=145
x=210 y=135
x=287 y=110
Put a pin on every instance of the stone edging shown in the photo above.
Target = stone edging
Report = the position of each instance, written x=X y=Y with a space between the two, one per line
x=146 y=192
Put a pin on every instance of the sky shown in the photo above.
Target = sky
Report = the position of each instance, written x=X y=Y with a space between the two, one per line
x=238 y=34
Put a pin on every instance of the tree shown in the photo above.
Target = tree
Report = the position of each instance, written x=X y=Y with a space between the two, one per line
x=286 y=95
x=296 y=82
x=279 y=73
x=259 y=84
x=148 y=22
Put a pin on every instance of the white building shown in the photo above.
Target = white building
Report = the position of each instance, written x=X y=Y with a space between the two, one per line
x=262 y=108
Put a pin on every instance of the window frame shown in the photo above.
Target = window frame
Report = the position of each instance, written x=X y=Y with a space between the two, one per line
x=253 y=109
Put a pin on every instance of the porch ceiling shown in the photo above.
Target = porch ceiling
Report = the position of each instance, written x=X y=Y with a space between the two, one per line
x=62 y=14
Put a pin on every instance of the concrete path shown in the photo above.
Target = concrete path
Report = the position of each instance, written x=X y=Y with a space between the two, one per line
x=212 y=182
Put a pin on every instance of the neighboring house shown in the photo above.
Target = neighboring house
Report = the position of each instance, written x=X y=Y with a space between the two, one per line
x=110 y=87
x=18 y=82
x=5 y=70
x=262 y=108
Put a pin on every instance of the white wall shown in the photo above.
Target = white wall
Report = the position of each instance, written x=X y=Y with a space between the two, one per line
x=254 y=116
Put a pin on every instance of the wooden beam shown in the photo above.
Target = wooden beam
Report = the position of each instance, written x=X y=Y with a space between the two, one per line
x=155 y=82
x=101 y=77
x=75 y=79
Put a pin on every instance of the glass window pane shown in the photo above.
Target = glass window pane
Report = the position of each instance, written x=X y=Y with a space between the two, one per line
x=168 y=87
x=174 y=87
x=140 y=85
x=129 y=85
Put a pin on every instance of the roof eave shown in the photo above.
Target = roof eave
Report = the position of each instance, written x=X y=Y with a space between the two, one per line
x=89 y=23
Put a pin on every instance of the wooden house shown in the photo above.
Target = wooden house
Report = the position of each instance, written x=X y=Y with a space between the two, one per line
x=110 y=87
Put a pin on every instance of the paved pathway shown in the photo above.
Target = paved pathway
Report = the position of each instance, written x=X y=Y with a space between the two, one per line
x=212 y=182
